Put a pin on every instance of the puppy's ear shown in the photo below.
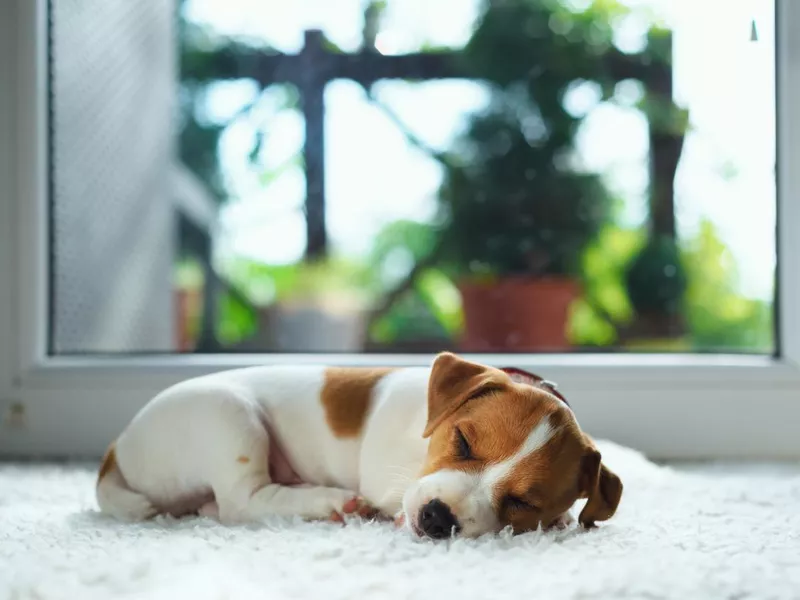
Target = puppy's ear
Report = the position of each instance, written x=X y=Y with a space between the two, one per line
x=602 y=488
x=453 y=382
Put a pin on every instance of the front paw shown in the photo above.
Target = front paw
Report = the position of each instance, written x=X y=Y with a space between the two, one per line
x=355 y=506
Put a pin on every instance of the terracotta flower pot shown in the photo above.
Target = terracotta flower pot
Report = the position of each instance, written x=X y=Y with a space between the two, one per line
x=518 y=314
x=307 y=327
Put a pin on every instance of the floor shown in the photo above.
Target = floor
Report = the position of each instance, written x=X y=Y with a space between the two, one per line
x=681 y=532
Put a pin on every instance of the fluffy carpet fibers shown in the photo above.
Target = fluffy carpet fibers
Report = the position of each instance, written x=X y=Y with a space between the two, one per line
x=705 y=532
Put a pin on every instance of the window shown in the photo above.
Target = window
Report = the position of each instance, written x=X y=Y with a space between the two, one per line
x=585 y=189
x=521 y=177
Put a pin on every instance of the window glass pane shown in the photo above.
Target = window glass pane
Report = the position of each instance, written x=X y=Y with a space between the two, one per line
x=409 y=176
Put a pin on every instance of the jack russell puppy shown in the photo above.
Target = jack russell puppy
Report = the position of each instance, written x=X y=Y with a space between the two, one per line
x=458 y=448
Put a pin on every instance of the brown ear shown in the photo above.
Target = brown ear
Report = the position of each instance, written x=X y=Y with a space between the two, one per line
x=602 y=488
x=453 y=381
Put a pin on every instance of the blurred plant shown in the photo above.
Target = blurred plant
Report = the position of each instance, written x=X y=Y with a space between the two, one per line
x=500 y=225
x=605 y=307
x=330 y=280
x=430 y=307
x=401 y=243
x=515 y=202
x=514 y=199
x=334 y=283
x=656 y=279
x=236 y=322
x=410 y=319
x=719 y=317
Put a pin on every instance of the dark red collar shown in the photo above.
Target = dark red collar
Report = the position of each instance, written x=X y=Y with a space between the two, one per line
x=521 y=376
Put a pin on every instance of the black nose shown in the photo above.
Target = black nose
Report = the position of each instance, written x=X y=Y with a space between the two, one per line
x=436 y=520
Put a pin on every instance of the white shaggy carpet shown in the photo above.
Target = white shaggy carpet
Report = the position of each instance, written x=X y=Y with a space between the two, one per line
x=705 y=532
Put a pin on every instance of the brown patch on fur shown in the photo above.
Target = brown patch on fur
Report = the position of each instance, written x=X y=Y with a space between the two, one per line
x=109 y=462
x=454 y=382
x=496 y=415
x=346 y=396
x=547 y=480
x=242 y=459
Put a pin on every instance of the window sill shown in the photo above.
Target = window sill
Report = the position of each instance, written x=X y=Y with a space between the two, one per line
x=577 y=371
x=667 y=406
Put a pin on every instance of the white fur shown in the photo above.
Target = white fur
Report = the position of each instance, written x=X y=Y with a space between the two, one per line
x=536 y=440
x=471 y=496
x=182 y=452
x=182 y=449
x=393 y=449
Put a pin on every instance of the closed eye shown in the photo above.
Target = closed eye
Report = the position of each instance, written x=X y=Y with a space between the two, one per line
x=512 y=502
x=463 y=449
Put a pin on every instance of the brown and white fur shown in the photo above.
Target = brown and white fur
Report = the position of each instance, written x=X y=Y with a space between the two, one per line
x=457 y=447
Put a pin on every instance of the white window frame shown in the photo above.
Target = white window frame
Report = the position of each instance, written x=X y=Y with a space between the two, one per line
x=667 y=406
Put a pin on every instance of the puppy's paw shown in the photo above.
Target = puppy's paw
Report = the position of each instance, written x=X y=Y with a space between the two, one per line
x=327 y=504
x=355 y=506
x=209 y=510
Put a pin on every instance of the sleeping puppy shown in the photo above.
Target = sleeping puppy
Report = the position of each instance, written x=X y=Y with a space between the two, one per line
x=458 y=448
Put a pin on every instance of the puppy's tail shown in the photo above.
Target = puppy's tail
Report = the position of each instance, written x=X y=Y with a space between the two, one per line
x=115 y=497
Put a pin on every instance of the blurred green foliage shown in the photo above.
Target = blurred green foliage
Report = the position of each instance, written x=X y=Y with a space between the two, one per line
x=605 y=302
x=719 y=317
x=513 y=201
x=432 y=307
x=656 y=278
x=402 y=239
x=330 y=283
x=323 y=280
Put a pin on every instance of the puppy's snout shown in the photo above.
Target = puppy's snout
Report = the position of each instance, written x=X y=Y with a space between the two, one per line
x=436 y=520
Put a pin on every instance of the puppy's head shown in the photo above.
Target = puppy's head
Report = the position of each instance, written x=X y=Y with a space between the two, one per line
x=502 y=452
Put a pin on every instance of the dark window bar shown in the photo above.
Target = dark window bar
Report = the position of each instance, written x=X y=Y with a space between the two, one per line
x=316 y=65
